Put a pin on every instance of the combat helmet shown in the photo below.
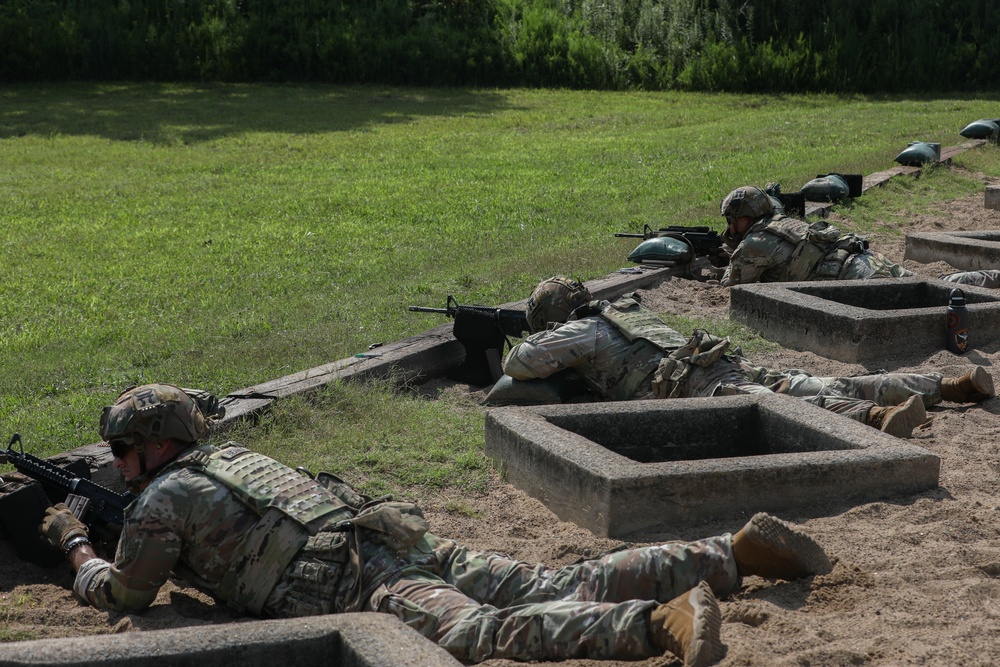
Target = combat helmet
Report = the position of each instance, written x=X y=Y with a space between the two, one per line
x=153 y=411
x=554 y=300
x=748 y=201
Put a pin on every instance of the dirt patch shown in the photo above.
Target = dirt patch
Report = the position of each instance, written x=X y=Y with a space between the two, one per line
x=916 y=579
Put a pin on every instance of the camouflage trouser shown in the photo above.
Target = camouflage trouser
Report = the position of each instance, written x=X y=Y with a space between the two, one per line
x=870 y=264
x=483 y=605
x=853 y=397
x=984 y=278
x=883 y=389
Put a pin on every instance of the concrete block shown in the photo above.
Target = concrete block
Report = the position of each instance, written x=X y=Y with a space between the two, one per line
x=992 y=197
x=863 y=321
x=346 y=640
x=621 y=467
x=966 y=251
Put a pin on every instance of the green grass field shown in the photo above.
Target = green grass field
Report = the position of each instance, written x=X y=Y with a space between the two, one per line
x=221 y=236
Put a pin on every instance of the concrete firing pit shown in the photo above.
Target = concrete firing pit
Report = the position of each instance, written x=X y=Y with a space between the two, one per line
x=346 y=640
x=863 y=321
x=966 y=251
x=617 y=468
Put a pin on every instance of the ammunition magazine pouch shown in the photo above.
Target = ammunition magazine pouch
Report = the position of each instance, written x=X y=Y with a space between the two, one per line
x=641 y=360
x=267 y=548
x=811 y=250
x=398 y=525
x=702 y=349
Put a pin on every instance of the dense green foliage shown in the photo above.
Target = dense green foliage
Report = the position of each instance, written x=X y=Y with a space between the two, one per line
x=761 y=45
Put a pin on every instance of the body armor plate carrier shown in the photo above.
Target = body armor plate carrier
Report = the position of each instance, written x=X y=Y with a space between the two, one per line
x=291 y=506
x=821 y=250
x=648 y=335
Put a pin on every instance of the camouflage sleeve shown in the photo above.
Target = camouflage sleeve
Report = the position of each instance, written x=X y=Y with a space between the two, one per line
x=752 y=257
x=148 y=550
x=547 y=352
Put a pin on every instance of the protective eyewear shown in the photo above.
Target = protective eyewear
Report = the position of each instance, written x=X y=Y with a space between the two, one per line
x=120 y=447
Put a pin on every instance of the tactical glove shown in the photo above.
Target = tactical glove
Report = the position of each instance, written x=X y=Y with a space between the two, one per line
x=60 y=526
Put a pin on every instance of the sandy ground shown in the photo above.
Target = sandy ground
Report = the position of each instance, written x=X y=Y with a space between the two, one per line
x=916 y=580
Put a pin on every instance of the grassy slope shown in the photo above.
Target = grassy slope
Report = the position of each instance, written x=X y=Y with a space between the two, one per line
x=220 y=236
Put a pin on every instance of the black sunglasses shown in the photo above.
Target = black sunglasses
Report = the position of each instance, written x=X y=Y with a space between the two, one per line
x=120 y=447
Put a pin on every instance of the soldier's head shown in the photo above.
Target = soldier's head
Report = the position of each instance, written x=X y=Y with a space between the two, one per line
x=743 y=207
x=554 y=300
x=149 y=425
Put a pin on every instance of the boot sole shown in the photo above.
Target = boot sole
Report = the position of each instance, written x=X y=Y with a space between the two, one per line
x=906 y=418
x=789 y=541
x=983 y=382
x=706 y=644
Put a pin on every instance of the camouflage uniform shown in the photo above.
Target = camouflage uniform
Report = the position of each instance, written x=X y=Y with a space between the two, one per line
x=781 y=249
x=776 y=249
x=196 y=522
x=608 y=361
x=984 y=278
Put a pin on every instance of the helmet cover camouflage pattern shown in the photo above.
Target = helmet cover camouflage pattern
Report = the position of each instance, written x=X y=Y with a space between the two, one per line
x=154 y=411
x=554 y=300
x=749 y=202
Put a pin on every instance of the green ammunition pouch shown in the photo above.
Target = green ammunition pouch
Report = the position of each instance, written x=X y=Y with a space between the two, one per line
x=701 y=350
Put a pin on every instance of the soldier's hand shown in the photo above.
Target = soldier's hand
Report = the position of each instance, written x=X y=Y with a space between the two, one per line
x=719 y=257
x=60 y=526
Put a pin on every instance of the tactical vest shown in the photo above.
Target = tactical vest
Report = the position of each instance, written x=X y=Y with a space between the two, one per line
x=291 y=506
x=821 y=250
x=649 y=337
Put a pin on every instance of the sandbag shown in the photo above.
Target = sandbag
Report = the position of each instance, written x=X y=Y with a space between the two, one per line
x=919 y=153
x=828 y=187
x=662 y=249
x=555 y=389
x=983 y=128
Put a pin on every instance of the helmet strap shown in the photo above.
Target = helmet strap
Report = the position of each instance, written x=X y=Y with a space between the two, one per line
x=138 y=483
x=140 y=451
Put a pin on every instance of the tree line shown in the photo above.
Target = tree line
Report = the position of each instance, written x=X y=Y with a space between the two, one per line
x=708 y=45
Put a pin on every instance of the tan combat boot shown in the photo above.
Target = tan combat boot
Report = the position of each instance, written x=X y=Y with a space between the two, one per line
x=770 y=548
x=688 y=626
x=899 y=420
x=973 y=387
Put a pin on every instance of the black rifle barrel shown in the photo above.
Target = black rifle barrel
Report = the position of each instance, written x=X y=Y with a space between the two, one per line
x=424 y=309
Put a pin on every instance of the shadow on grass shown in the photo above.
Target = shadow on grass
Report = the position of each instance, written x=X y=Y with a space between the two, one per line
x=191 y=113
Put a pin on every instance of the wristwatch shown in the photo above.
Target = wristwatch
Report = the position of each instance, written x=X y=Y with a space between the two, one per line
x=74 y=543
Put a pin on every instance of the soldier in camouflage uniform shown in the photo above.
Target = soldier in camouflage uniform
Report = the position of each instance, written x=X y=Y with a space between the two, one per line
x=625 y=352
x=770 y=247
x=270 y=541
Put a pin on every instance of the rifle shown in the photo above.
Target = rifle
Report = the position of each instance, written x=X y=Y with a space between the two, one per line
x=701 y=241
x=483 y=331
x=100 y=508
